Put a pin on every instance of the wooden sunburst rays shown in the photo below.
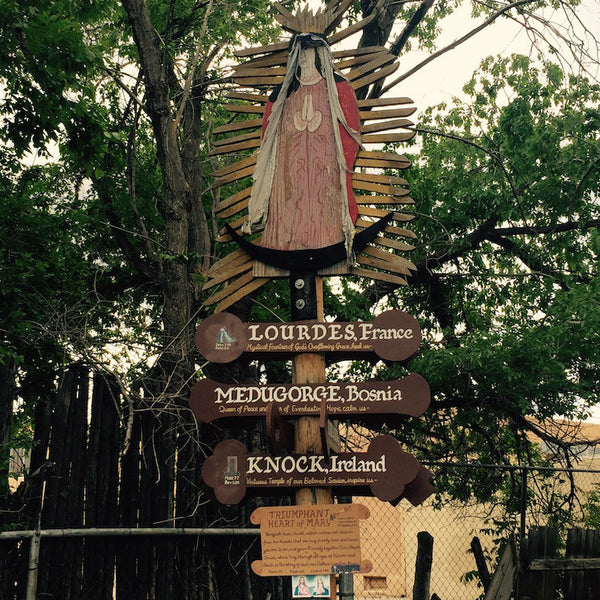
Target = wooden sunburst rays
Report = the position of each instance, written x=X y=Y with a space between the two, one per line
x=377 y=192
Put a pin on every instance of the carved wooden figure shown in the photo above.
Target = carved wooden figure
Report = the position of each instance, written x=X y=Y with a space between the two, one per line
x=319 y=176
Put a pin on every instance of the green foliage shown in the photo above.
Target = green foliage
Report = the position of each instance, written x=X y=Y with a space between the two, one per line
x=507 y=187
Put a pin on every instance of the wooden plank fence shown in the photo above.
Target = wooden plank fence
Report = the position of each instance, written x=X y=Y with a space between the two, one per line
x=549 y=576
x=90 y=480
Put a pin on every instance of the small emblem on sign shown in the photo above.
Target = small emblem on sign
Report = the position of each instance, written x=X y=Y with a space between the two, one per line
x=231 y=473
x=224 y=339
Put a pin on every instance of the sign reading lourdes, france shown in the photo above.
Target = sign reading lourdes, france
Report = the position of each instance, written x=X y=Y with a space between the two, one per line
x=393 y=335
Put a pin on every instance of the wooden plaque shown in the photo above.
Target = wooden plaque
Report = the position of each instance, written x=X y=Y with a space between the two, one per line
x=407 y=396
x=384 y=470
x=393 y=335
x=317 y=539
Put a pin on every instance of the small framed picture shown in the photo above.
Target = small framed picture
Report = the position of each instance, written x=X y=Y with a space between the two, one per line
x=314 y=586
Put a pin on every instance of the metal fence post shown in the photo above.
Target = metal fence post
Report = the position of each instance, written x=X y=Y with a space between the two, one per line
x=34 y=562
x=523 y=526
x=522 y=531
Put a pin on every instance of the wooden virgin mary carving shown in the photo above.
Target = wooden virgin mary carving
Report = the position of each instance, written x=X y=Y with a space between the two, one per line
x=317 y=192
x=302 y=193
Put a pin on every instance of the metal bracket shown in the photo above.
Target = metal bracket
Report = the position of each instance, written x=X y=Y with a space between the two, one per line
x=303 y=294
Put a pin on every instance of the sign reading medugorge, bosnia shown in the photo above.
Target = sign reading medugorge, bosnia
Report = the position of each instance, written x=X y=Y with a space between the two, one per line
x=318 y=539
x=385 y=470
x=393 y=335
x=407 y=396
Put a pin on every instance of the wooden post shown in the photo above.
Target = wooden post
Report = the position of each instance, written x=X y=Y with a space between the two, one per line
x=423 y=566
x=482 y=568
x=306 y=292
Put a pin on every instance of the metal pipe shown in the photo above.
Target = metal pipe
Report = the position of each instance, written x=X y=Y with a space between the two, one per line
x=125 y=531
x=34 y=563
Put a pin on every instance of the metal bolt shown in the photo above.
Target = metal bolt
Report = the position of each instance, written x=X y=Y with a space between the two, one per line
x=300 y=304
x=299 y=283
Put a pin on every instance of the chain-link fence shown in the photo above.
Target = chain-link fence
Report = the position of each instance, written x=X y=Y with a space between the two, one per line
x=561 y=498
x=219 y=562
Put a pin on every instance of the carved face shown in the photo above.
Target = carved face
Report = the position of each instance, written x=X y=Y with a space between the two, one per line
x=306 y=61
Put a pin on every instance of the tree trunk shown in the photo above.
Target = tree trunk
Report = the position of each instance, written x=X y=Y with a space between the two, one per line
x=7 y=395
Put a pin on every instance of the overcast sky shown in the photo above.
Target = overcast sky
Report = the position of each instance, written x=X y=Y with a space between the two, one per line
x=444 y=77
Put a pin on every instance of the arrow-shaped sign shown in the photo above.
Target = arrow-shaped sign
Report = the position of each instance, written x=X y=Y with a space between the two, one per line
x=393 y=335
x=385 y=469
x=407 y=396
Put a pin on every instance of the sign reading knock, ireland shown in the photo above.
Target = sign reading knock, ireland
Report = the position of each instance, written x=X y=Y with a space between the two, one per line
x=393 y=335
x=407 y=396
x=385 y=469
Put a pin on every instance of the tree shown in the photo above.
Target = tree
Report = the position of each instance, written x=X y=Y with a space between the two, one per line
x=509 y=276
x=119 y=99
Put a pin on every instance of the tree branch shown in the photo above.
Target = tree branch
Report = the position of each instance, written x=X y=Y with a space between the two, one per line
x=412 y=24
x=454 y=44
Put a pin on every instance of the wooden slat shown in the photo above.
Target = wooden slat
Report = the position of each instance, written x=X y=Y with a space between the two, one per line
x=380 y=163
x=564 y=564
x=384 y=160
x=384 y=200
x=234 y=199
x=378 y=178
x=230 y=288
x=236 y=139
x=379 y=187
x=387 y=138
x=393 y=243
x=244 y=108
x=389 y=278
x=237 y=256
x=256 y=283
x=384 y=264
x=358 y=51
x=258 y=98
x=234 y=176
x=227 y=264
x=258 y=82
x=236 y=225
x=239 y=147
x=233 y=210
x=238 y=126
x=250 y=71
x=371 y=115
x=405 y=217
x=376 y=76
x=502 y=584
x=381 y=59
x=270 y=60
x=233 y=271
x=236 y=166
x=362 y=59
x=383 y=125
x=348 y=31
x=262 y=49
x=367 y=211
x=402 y=265
x=369 y=102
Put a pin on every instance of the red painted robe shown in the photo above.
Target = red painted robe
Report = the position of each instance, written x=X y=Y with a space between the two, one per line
x=305 y=205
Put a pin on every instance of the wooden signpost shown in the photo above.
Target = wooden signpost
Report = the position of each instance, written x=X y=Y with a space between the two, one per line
x=407 y=396
x=385 y=470
x=307 y=213
x=393 y=335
